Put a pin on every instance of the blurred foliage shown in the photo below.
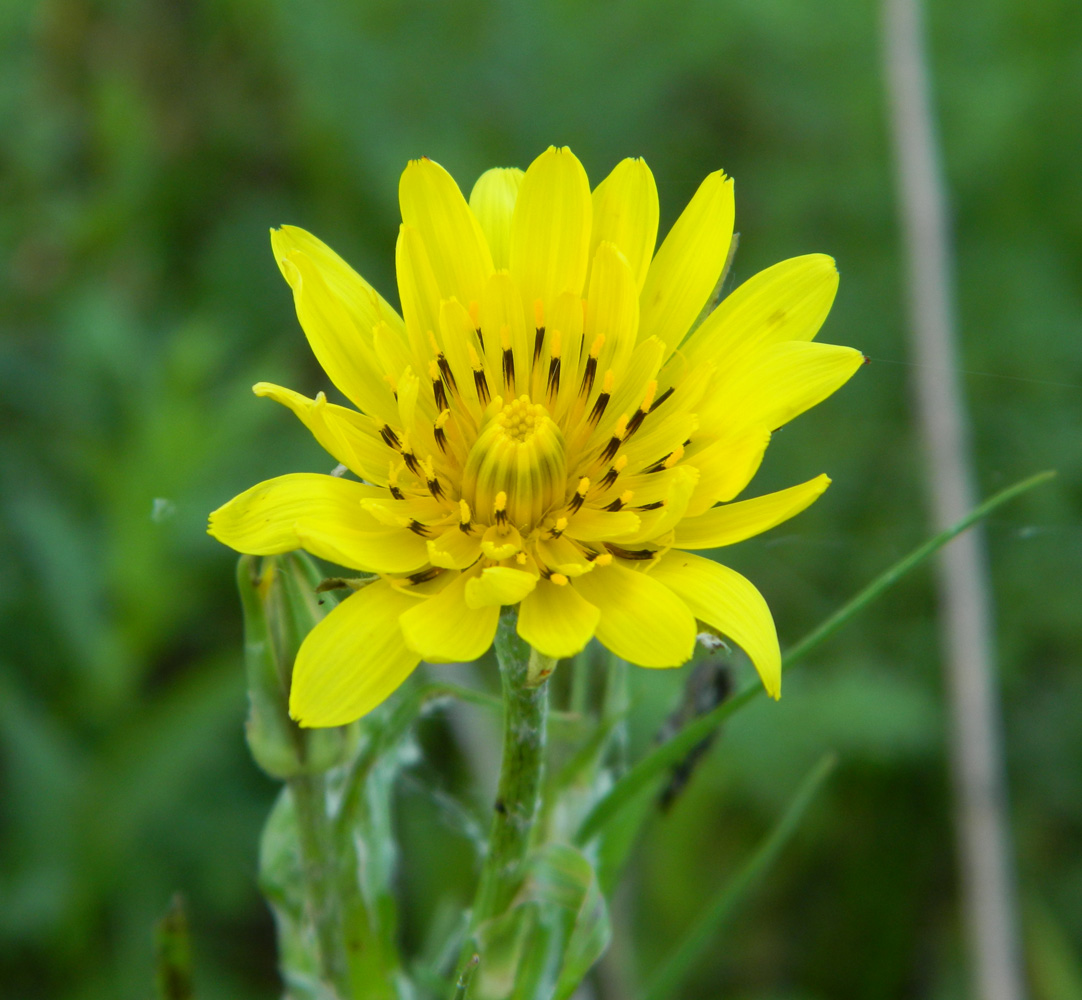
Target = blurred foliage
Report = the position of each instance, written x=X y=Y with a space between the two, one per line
x=145 y=148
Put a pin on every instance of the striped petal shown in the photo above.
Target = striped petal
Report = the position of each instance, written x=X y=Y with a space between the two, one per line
x=733 y=522
x=550 y=228
x=689 y=263
x=433 y=205
x=352 y=438
x=492 y=202
x=788 y=301
x=353 y=659
x=723 y=599
x=557 y=620
x=626 y=213
x=642 y=620
x=445 y=629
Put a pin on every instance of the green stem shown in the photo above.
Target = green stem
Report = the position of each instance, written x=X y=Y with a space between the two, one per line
x=525 y=708
x=309 y=793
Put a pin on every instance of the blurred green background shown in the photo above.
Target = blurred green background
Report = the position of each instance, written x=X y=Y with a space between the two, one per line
x=145 y=149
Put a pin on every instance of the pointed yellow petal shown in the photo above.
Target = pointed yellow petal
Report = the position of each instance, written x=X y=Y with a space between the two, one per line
x=592 y=525
x=341 y=347
x=642 y=621
x=689 y=263
x=492 y=202
x=498 y=585
x=432 y=204
x=352 y=438
x=788 y=301
x=656 y=523
x=557 y=620
x=723 y=599
x=353 y=659
x=364 y=304
x=381 y=550
x=734 y=522
x=263 y=520
x=550 y=228
x=501 y=312
x=626 y=214
x=445 y=629
x=778 y=385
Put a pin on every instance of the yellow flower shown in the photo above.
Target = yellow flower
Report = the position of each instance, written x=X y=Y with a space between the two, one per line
x=538 y=428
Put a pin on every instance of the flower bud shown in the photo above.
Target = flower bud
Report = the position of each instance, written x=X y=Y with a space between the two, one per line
x=281 y=606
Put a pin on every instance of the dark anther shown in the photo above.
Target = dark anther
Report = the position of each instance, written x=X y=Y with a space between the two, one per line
x=588 y=376
x=636 y=421
x=554 y=376
x=448 y=375
x=615 y=505
x=411 y=462
x=481 y=384
x=508 y=366
x=656 y=505
x=439 y=393
x=611 y=448
x=389 y=437
x=638 y=554
x=538 y=343
x=396 y=493
x=419 y=529
x=661 y=399
x=425 y=575
x=435 y=488
x=599 y=407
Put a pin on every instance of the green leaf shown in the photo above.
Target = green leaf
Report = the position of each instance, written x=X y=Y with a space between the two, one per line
x=681 y=960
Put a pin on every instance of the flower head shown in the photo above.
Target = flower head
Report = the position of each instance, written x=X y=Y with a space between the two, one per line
x=539 y=428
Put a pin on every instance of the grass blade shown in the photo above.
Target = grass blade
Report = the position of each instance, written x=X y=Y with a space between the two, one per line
x=659 y=760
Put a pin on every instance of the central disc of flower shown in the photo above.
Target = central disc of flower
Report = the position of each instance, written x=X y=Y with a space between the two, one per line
x=520 y=453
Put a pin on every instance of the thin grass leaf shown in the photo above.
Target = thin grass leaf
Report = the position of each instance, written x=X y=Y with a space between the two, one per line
x=681 y=960
x=641 y=776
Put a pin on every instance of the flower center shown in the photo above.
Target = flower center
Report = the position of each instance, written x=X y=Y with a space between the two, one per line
x=520 y=453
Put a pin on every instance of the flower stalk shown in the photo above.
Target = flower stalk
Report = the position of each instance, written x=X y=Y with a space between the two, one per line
x=525 y=693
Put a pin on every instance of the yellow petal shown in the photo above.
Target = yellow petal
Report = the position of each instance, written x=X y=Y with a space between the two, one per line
x=455 y=549
x=550 y=228
x=343 y=350
x=352 y=438
x=726 y=466
x=788 y=301
x=689 y=263
x=432 y=204
x=501 y=313
x=642 y=620
x=626 y=213
x=381 y=550
x=778 y=385
x=612 y=311
x=592 y=525
x=445 y=629
x=353 y=659
x=492 y=202
x=364 y=304
x=723 y=599
x=498 y=585
x=263 y=520
x=420 y=294
x=734 y=522
x=656 y=523
x=557 y=620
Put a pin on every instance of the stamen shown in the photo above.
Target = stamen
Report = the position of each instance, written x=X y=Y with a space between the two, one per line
x=622 y=501
x=439 y=393
x=614 y=470
x=424 y=575
x=465 y=518
x=619 y=433
x=411 y=461
x=499 y=508
x=661 y=399
x=392 y=482
x=558 y=528
x=668 y=461
x=580 y=495
x=432 y=480
x=656 y=505
x=633 y=554
x=539 y=329
x=603 y=398
x=508 y=357
x=559 y=579
x=446 y=372
x=591 y=366
x=438 y=430
x=389 y=437
x=419 y=529
x=644 y=408
x=479 y=381
x=475 y=318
